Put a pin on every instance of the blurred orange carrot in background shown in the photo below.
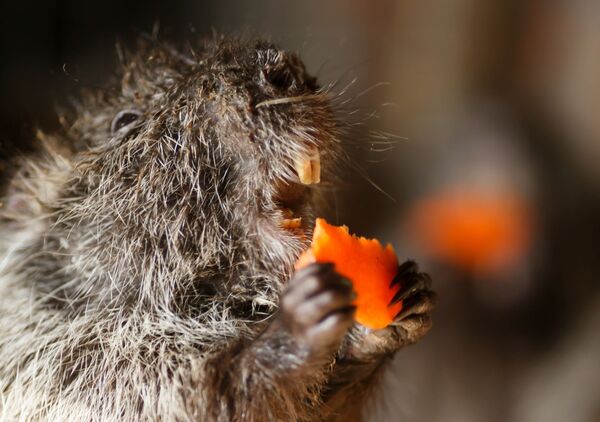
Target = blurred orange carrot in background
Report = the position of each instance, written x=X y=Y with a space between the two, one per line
x=473 y=230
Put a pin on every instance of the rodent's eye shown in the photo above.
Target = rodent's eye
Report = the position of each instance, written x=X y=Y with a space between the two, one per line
x=280 y=78
x=125 y=120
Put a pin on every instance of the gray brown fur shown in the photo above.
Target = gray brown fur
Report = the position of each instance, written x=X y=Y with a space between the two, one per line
x=143 y=266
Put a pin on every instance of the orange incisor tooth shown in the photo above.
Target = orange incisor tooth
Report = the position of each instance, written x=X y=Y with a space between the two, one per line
x=309 y=168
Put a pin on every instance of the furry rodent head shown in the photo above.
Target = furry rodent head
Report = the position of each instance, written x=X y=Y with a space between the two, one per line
x=191 y=167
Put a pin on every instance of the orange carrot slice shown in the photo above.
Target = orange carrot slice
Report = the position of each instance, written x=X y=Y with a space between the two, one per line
x=366 y=263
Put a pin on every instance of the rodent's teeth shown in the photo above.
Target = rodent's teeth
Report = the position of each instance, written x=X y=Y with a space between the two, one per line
x=315 y=164
x=309 y=168
x=291 y=223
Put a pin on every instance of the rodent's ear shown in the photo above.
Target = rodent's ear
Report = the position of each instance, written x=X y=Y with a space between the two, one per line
x=125 y=121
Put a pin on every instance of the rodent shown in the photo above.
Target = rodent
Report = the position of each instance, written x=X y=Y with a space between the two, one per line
x=148 y=261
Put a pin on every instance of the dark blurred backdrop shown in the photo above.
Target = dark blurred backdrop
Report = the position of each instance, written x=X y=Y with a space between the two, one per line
x=493 y=164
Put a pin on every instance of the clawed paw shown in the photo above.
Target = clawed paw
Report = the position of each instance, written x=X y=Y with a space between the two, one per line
x=411 y=324
x=317 y=308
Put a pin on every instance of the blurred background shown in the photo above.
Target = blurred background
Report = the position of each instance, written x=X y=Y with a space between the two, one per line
x=477 y=148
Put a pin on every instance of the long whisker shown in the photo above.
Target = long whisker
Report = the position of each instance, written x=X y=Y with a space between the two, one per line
x=366 y=177
x=372 y=88
x=287 y=100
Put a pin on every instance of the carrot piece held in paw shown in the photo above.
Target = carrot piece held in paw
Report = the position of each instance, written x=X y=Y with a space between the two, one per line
x=366 y=263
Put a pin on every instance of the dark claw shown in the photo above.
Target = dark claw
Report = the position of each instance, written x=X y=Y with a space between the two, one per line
x=410 y=280
x=405 y=271
x=314 y=269
x=420 y=303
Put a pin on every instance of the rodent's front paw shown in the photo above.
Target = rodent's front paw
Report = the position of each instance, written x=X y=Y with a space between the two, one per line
x=411 y=323
x=317 y=308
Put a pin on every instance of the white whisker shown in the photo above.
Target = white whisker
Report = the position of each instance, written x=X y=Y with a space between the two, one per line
x=287 y=100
